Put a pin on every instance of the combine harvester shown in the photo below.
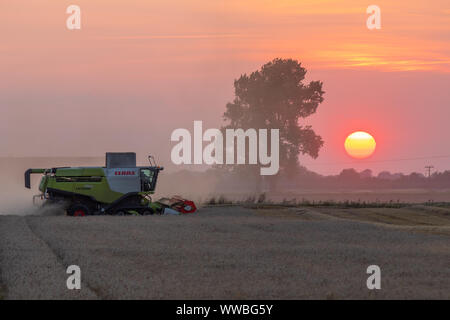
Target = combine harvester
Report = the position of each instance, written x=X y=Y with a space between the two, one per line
x=119 y=188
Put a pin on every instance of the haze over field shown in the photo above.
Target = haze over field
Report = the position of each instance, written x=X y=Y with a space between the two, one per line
x=204 y=186
x=137 y=70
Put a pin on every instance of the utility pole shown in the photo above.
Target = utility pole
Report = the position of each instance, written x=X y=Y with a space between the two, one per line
x=429 y=170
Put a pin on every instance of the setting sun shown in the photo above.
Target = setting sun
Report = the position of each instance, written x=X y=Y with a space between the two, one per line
x=360 y=145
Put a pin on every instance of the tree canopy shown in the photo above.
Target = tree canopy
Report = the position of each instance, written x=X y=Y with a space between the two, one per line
x=277 y=97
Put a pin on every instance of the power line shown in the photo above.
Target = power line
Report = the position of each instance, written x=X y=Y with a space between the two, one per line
x=377 y=161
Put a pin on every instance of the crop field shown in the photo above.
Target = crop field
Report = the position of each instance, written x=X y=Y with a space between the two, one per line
x=230 y=252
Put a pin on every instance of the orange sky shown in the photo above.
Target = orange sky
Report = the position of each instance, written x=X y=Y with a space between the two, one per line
x=139 y=69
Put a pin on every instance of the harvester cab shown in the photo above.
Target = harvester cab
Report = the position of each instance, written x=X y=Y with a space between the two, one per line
x=118 y=188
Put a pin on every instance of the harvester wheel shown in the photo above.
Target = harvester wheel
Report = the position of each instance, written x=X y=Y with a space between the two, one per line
x=147 y=212
x=78 y=210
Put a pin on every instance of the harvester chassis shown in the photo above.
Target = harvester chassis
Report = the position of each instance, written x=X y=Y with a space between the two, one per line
x=89 y=206
x=118 y=188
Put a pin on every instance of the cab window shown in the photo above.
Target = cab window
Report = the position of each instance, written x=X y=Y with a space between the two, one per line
x=147 y=177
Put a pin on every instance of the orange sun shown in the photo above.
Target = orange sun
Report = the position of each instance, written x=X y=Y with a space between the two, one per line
x=360 y=145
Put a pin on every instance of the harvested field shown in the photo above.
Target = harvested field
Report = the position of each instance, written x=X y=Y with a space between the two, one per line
x=415 y=218
x=228 y=253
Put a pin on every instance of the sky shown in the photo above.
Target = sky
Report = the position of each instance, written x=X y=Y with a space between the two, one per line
x=137 y=70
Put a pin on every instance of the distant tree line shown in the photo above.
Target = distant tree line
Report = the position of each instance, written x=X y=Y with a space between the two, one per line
x=221 y=180
x=350 y=178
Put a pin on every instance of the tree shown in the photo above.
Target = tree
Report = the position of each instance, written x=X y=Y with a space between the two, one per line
x=349 y=175
x=276 y=97
x=366 y=173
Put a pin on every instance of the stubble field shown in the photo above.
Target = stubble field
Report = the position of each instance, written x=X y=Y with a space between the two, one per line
x=230 y=252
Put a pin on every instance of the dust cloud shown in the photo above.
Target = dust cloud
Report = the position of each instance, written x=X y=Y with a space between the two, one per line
x=15 y=199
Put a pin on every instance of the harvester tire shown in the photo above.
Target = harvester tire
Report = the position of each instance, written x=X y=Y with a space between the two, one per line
x=78 y=210
x=147 y=212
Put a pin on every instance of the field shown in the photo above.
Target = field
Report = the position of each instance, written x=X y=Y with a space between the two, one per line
x=231 y=252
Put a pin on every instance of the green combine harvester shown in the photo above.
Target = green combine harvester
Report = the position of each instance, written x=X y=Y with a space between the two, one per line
x=119 y=188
